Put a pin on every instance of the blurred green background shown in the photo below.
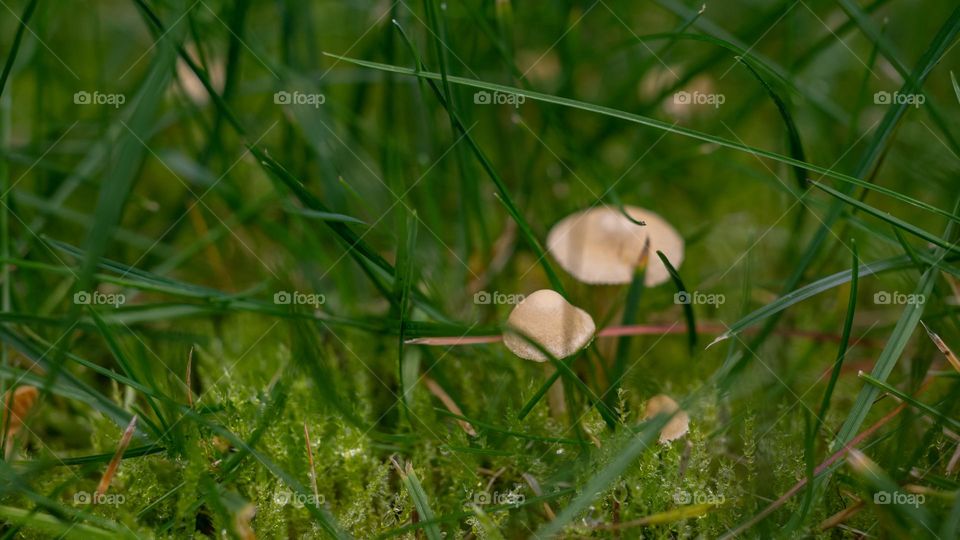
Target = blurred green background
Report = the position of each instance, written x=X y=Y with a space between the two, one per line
x=199 y=158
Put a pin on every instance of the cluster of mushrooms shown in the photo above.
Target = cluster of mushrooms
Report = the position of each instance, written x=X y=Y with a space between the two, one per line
x=597 y=246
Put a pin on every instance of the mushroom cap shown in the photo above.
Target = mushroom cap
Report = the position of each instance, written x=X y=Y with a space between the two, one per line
x=547 y=318
x=677 y=426
x=18 y=402
x=601 y=246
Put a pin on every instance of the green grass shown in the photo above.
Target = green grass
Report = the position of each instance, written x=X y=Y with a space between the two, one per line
x=187 y=167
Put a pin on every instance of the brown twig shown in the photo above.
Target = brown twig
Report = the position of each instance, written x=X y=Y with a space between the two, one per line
x=449 y=403
x=16 y=407
x=840 y=516
x=953 y=286
x=618 y=331
x=241 y=522
x=954 y=459
x=670 y=516
x=213 y=254
x=836 y=456
x=313 y=469
x=115 y=462
x=189 y=376
x=952 y=358
x=535 y=487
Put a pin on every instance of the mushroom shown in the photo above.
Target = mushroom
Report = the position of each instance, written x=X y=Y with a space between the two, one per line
x=16 y=407
x=548 y=319
x=192 y=86
x=677 y=426
x=601 y=246
x=18 y=402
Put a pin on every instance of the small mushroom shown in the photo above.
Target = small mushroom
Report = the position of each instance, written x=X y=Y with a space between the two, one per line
x=677 y=426
x=18 y=402
x=548 y=319
x=601 y=246
x=16 y=407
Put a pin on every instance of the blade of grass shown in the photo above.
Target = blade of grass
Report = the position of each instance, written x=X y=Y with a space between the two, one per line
x=844 y=339
x=326 y=216
x=883 y=45
x=956 y=87
x=885 y=216
x=460 y=516
x=491 y=428
x=828 y=465
x=623 y=458
x=888 y=358
x=136 y=451
x=119 y=180
x=879 y=480
x=469 y=193
x=322 y=516
x=542 y=391
x=5 y=125
x=381 y=272
x=15 y=46
x=420 y=500
x=132 y=150
x=869 y=161
x=70 y=383
x=503 y=194
x=563 y=369
x=55 y=526
x=630 y=307
x=832 y=383
x=687 y=306
x=490 y=528
x=823 y=284
x=657 y=124
x=923 y=407
x=128 y=370
x=793 y=136
x=403 y=284
x=891 y=353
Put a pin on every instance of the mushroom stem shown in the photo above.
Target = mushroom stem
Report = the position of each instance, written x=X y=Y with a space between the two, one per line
x=556 y=398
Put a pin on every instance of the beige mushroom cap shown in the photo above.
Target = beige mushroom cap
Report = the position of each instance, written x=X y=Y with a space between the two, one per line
x=601 y=246
x=677 y=426
x=547 y=318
